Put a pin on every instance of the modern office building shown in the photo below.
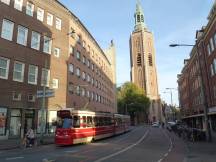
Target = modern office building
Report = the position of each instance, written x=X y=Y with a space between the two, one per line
x=143 y=64
x=45 y=49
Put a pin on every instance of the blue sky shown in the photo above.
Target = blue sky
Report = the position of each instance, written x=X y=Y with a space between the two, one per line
x=171 y=21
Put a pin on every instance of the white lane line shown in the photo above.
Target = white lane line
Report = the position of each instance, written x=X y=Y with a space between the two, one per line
x=170 y=147
x=14 y=158
x=165 y=155
x=71 y=151
x=125 y=149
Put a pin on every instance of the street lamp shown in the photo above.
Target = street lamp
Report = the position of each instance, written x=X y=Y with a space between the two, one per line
x=204 y=100
x=171 y=96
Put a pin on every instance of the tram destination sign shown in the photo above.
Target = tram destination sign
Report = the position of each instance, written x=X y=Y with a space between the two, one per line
x=48 y=93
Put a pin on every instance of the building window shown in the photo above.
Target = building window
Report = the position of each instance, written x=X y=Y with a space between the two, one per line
x=55 y=83
x=138 y=18
x=70 y=87
x=84 y=44
x=78 y=90
x=78 y=72
x=150 y=60
x=56 y=52
x=40 y=14
x=139 y=61
x=6 y=2
x=7 y=30
x=88 y=78
x=71 y=68
x=214 y=63
x=92 y=67
x=83 y=92
x=79 y=39
x=47 y=45
x=71 y=50
x=88 y=93
x=212 y=44
x=83 y=60
x=22 y=35
x=49 y=19
x=212 y=70
x=32 y=74
x=17 y=96
x=31 y=98
x=45 y=77
x=58 y=23
x=83 y=75
x=35 y=40
x=78 y=55
x=29 y=9
x=18 y=74
x=215 y=39
x=88 y=63
x=18 y=4
x=209 y=49
x=92 y=81
x=4 y=67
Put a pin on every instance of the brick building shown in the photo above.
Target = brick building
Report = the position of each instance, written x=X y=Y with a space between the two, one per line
x=43 y=45
x=197 y=82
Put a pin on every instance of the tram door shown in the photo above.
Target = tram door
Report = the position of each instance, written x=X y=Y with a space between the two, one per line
x=29 y=120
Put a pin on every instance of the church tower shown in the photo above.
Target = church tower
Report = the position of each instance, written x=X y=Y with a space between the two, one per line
x=143 y=64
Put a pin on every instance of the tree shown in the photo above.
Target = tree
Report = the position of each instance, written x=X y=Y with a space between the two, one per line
x=132 y=100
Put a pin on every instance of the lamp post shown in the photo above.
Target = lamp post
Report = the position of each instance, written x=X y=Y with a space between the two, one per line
x=204 y=100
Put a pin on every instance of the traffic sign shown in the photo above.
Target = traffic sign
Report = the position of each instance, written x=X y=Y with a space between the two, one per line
x=48 y=93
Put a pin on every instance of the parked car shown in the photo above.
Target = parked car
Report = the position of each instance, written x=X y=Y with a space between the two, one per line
x=155 y=124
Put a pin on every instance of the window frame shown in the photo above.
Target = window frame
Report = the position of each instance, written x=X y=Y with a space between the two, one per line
x=50 y=21
x=6 y=69
x=58 y=52
x=7 y=2
x=58 y=23
x=47 y=78
x=22 y=72
x=47 y=43
x=10 y=37
x=18 y=4
x=55 y=83
x=24 y=43
x=35 y=43
x=29 y=11
x=40 y=17
x=35 y=75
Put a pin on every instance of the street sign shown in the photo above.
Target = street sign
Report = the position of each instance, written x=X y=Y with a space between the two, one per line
x=48 y=93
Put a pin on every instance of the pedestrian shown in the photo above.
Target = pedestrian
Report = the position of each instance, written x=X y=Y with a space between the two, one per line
x=30 y=136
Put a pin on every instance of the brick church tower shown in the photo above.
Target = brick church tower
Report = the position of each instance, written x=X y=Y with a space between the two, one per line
x=143 y=64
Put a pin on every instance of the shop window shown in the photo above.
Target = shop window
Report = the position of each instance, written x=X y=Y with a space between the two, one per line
x=15 y=122
x=31 y=98
x=3 y=117
x=52 y=121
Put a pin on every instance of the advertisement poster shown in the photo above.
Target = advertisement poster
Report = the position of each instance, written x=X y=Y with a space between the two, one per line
x=3 y=116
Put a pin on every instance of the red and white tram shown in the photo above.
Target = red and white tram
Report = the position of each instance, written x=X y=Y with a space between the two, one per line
x=77 y=126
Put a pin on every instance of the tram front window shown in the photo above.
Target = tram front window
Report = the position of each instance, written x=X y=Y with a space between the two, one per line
x=64 y=123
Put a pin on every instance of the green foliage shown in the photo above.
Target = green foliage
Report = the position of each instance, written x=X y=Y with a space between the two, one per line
x=131 y=99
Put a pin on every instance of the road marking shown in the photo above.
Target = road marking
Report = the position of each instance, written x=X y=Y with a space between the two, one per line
x=125 y=149
x=14 y=158
x=71 y=151
x=170 y=147
x=165 y=154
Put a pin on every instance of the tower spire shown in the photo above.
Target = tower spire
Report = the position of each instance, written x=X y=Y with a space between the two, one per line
x=139 y=17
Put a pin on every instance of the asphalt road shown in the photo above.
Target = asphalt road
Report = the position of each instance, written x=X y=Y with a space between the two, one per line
x=142 y=144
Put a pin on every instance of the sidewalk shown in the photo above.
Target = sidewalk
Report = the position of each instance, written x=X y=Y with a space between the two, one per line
x=15 y=143
x=201 y=152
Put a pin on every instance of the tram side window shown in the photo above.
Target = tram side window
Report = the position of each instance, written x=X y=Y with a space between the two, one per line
x=89 y=121
x=96 y=122
x=76 y=121
x=84 y=121
x=101 y=121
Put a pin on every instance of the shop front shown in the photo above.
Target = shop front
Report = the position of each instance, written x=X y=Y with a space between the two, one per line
x=3 y=123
